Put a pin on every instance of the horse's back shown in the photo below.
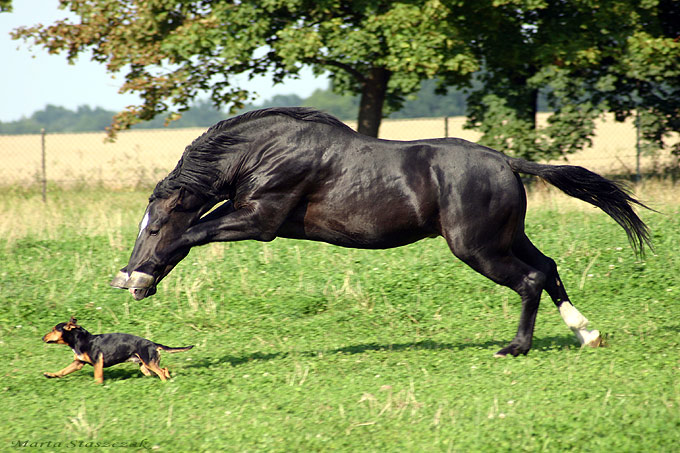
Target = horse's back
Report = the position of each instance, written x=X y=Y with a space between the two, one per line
x=482 y=201
x=374 y=193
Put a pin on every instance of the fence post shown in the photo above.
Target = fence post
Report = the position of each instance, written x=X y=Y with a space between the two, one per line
x=44 y=166
x=446 y=127
x=638 y=147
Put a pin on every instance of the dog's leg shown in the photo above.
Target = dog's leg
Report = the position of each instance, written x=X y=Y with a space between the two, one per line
x=162 y=373
x=99 y=370
x=145 y=371
x=73 y=366
x=152 y=365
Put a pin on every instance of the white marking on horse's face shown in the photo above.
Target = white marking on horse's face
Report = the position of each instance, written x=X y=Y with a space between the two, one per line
x=145 y=222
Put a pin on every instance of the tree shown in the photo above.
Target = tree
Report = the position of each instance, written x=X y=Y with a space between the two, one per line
x=344 y=107
x=586 y=57
x=431 y=101
x=59 y=119
x=201 y=113
x=172 y=50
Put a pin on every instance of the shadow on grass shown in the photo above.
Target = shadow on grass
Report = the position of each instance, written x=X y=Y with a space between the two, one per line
x=121 y=374
x=672 y=328
x=540 y=344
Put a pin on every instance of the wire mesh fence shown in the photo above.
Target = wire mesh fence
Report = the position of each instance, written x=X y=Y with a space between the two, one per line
x=142 y=157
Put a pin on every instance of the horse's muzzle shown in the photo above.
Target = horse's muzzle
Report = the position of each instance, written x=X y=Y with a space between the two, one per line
x=139 y=284
x=120 y=280
x=141 y=293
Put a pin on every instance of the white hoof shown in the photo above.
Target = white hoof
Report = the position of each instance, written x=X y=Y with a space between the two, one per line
x=590 y=338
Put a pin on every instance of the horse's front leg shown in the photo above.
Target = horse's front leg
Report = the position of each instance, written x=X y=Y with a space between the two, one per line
x=259 y=221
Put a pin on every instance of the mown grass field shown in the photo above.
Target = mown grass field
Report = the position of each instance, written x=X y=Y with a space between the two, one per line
x=304 y=346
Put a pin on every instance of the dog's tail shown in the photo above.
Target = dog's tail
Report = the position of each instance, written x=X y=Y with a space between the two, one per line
x=171 y=350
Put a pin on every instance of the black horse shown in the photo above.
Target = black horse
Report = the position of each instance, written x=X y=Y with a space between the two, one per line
x=299 y=173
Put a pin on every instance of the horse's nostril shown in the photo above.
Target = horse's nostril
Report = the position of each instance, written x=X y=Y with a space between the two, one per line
x=137 y=293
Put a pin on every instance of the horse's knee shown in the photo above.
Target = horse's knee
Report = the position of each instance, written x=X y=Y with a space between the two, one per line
x=532 y=285
x=266 y=236
x=552 y=267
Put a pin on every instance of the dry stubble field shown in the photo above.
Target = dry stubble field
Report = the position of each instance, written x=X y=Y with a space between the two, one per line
x=142 y=157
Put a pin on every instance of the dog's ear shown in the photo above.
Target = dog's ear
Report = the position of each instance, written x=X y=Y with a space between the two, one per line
x=71 y=324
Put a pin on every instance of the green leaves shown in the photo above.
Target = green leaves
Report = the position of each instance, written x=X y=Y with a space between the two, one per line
x=586 y=57
x=172 y=50
x=651 y=58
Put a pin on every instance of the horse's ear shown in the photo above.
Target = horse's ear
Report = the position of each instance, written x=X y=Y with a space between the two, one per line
x=185 y=200
x=175 y=200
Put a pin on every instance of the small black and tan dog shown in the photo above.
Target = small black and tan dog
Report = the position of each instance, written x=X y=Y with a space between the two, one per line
x=105 y=350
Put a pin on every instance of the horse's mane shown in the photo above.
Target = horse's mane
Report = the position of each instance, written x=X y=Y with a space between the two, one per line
x=298 y=113
x=197 y=170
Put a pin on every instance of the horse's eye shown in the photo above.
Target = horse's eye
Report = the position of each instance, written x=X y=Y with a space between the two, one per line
x=153 y=230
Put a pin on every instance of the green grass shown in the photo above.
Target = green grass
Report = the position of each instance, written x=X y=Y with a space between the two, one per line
x=304 y=346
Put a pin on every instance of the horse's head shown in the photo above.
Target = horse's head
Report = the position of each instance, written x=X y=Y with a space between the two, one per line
x=158 y=247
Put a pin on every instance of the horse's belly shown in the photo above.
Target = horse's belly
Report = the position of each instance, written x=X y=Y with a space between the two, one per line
x=374 y=229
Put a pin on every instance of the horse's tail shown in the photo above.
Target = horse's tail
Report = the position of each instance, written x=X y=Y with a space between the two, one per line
x=612 y=197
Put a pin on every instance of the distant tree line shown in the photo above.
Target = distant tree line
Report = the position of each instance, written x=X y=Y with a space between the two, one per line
x=425 y=103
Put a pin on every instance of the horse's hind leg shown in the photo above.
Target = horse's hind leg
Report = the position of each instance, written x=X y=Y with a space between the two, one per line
x=505 y=269
x=524 y=249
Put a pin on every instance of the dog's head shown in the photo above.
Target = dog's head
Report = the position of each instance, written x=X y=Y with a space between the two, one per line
x=56 y=335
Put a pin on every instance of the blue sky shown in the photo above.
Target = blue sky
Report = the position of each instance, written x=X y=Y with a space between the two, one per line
x=31 y=78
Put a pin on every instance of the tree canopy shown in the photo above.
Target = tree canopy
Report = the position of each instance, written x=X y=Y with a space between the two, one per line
x=584 y=57
x=171 y=51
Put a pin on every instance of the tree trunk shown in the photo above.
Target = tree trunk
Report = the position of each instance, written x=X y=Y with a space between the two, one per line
x=533 y=106
x=526 y=100
x=372 y=100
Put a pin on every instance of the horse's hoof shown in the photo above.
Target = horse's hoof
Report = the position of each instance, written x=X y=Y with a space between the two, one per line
x=511 y=350
x=590 y=338
x=594 y=340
